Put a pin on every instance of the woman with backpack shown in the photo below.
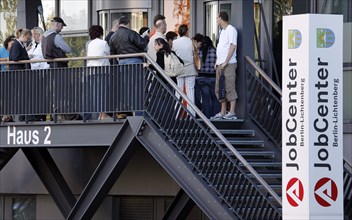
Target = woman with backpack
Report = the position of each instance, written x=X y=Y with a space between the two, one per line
x=162 y=49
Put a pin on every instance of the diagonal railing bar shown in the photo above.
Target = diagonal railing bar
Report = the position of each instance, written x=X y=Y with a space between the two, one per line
x=264 y=104
x=207 y=156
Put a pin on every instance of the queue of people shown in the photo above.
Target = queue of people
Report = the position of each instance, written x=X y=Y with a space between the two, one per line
x=200 y=83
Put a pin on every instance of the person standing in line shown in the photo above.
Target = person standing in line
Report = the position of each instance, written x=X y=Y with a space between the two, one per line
x=18 y=50
x=97 y=47
x=35 y=52
x=183 y=46
x=5 y=50
x=197 y=91
x=226 y=62
x=4 y=55
x=160 y=26
x=127 y=41
x=114 y=27
x=206 y=78
x=170 y=37
x=54 y=45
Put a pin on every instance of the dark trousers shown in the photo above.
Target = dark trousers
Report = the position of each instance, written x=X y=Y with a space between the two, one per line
x=207 y=100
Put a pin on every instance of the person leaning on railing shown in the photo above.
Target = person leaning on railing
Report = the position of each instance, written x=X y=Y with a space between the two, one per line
x=97 y=47
x=4 y=56
x=19 y=52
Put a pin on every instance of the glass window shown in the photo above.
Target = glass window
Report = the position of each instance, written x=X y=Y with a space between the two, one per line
x=23 y=208
x=336 y=7
x=8 y=19
x=75 y=14
x=226 y=7
x=104 y=22
x=48 y=13
x=138 y=19
x=78 y=47
x=211 y=13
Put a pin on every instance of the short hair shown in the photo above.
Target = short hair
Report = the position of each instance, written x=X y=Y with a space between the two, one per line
x=157 y=18
x=8 y=40
x=95 y=31
x=198 y=37
x=182 y=30
x=171 y=35
x=38 y=30
x=124 y=20
x=224 y=16
x=142 y=30
x=159 y=23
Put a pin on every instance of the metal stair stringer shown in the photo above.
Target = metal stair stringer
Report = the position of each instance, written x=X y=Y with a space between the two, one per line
x=183 y=173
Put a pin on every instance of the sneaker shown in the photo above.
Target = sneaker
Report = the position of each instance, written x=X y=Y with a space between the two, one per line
x=230 y=116
x=218 y=116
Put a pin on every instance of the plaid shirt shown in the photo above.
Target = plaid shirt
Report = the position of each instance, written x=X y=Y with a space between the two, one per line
x=208 y=65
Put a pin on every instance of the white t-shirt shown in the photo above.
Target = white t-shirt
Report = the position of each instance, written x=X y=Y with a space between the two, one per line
x=98 y=47
x=228 y=36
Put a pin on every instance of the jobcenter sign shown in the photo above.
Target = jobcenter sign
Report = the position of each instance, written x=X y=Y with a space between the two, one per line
x=312 y=117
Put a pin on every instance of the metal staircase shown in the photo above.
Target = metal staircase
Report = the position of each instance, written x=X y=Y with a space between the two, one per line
x=211 y=156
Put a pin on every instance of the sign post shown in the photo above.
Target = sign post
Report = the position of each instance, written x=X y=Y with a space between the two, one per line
x=312 y=108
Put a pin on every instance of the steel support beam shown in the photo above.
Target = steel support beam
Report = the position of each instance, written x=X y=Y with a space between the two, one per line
x=50 y=175
x=106 y=174
x=182 y=172
x=5 y=155
x=180 y=207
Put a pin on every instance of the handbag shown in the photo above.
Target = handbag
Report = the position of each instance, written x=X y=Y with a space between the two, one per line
x=222 y=89
x=173 y=65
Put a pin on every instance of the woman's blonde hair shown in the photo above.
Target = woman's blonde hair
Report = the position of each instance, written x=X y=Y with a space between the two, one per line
x=38 y=30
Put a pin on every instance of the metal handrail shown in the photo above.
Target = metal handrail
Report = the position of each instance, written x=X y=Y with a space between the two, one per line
x=216 y=131
x=264 y=75
x=74 y=58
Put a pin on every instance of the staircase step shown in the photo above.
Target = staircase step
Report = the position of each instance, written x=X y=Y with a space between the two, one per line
x=277 y=165
x=239 y=142
x=256 y=154
x=267 y=175
x=226 y=124
x=230 y=132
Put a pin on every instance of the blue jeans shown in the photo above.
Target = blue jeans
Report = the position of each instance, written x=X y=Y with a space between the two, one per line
x=210 y=103
x=132 y=60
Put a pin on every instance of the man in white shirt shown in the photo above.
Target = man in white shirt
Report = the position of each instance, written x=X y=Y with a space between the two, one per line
x=226 y=62
x=160 y=26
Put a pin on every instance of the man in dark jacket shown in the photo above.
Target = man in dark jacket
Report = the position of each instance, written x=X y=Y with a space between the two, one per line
x=126 y=41
x=53 y=44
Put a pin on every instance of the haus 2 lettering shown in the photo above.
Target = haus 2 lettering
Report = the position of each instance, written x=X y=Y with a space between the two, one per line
x=17 y=136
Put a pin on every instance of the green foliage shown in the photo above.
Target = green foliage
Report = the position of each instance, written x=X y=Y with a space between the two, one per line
x=8 y=11
x=78 y=47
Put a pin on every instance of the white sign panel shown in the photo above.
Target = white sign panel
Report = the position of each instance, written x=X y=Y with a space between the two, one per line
x=312 y=108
